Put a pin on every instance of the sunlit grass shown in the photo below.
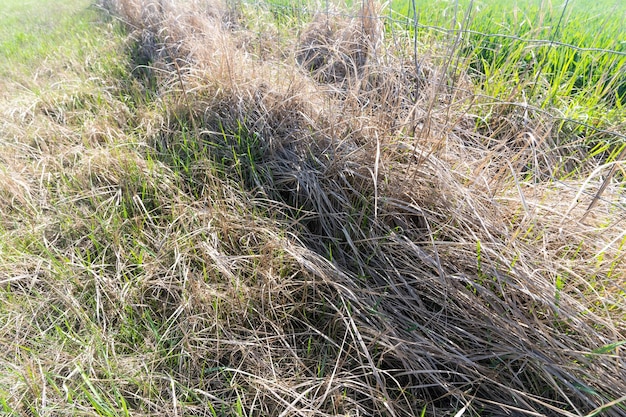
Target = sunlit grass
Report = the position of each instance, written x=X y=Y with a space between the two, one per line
x=31 y=32
x=191 y=223
x=537 y=53
x=540 y=52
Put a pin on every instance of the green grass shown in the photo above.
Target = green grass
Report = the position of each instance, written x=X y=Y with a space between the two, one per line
x=62 y=68
x=31 y=31
x=538 y=52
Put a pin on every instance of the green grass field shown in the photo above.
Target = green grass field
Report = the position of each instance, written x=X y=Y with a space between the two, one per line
x=236 y=209
x=501 y=36
x=31 y=31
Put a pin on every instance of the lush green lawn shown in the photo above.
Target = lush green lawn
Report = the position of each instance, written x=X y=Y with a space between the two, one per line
x=494 y=26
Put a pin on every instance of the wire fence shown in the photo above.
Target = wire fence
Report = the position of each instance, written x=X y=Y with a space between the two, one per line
x=304 y=10
x=562 y=67
x=602 y=63
x=307 y=9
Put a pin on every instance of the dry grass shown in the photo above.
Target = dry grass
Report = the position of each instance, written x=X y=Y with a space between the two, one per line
x=317 y=232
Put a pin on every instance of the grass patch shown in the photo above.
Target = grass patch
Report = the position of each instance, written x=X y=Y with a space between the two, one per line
x=33 y=32
x=541 y=54
x=223 y=209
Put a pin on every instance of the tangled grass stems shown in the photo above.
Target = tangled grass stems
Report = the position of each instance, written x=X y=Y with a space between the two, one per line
x=280 y=242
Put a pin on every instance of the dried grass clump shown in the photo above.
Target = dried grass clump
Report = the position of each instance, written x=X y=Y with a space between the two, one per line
x=318 y=258
x=335 y=49
x=165 y=34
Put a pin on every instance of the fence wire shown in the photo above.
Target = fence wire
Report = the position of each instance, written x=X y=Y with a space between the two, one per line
x=461 y=35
